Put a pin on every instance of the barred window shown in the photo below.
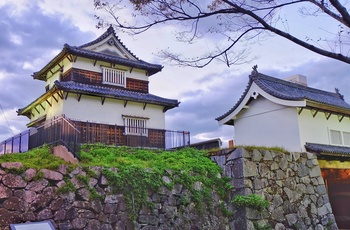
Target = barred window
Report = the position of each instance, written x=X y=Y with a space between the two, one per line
x=135 y=126
x=114 y=76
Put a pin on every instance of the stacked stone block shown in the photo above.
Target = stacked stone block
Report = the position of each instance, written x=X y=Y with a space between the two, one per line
x=291 y=182
x=32 y=196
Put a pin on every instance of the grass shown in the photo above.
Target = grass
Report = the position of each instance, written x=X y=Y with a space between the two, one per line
x=140 y=171
x=38 y=158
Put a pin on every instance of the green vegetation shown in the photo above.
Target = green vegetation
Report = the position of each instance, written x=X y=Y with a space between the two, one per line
x=252 y=201
x=273 y=148
x=68 y=187
x=262 y=227
x=140 y=171
x=37 y=158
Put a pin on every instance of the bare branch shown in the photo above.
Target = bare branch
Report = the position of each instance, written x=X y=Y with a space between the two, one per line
x=238 y=20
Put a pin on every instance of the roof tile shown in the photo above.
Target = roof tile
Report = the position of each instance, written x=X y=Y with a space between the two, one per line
x=286 y=90
x=123 y=94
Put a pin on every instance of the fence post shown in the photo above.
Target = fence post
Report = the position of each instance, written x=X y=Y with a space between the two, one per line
x=12 y=140
x=20 y=143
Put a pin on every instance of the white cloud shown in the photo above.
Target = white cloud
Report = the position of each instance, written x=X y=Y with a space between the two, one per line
x=77 y=12
x=16 y=8
x=16 y=39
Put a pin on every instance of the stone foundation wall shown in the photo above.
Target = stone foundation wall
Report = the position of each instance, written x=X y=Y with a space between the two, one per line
x=32 y=196
x=291 y=182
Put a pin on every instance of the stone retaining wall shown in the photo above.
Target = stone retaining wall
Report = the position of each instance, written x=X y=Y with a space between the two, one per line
x=32 y=196
x=292 y=182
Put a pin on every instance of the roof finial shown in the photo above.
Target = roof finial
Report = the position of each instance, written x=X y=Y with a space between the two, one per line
x=255 y=70
x=341 y=96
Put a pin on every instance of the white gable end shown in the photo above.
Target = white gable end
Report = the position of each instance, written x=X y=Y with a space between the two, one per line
x=111 y=46
x=253 y=93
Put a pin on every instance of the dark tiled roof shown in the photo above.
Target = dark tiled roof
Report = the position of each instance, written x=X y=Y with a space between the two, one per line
x=291 y=91
x=109 y=31
x=80 y=51
x=151 y=68
x=327 y=149
x=122 y=94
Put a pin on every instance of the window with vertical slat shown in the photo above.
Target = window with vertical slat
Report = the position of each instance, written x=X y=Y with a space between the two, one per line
x=135 y=126
x=113 y=76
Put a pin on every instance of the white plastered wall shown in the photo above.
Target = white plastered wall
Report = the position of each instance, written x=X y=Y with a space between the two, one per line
x=269 y=124
x=90 y=108
x=316 y=129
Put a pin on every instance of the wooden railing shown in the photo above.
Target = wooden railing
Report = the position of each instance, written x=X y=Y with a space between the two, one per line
x=71 y=134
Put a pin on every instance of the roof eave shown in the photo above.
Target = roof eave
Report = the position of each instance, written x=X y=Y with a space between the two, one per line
x=329 y=108
x=152 y=69
x=166 y=105
x=40 y=99
x=41 y=74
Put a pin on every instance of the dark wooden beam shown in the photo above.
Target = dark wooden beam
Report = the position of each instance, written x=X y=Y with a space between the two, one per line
x=328 y=115
x=66 y=96
x=48 y=102
x=300 y=110
x=53 y=96
x=70 y=57
x=75 y=58
x=125 y=103
x=42 y=106
x=79 y=96
x=103 y=100
x=95 y=62
x=314 y=112
x=340 y=117
x=131 y=69
x=144 y=106
x=36 y=110
x=60 y=94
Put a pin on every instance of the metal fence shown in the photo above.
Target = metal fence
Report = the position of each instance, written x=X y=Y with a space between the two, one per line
x=15 y=144
x=58 y=131
x=71 y=134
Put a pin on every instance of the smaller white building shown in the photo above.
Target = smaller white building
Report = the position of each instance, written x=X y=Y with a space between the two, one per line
x=287 y=113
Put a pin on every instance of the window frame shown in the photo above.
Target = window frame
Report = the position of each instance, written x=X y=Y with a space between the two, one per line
x=336 y=139
x=114 y=76
x=137 y=126
x=344 y=137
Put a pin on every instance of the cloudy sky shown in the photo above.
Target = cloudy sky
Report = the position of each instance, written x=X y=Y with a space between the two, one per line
x=34 y=31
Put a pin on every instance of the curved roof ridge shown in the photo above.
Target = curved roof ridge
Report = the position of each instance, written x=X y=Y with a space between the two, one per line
x=154 y=68
x=238 y=102
x=294 y=85
x=292 y=91
x=108 y=32
x=289 y=91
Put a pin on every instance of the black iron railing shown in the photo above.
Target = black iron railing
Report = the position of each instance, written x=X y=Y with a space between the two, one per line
x=72 y=134
x=15 y=144
x=59 y=131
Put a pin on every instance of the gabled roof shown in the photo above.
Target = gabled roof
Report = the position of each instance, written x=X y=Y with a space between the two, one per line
x=292 y=92
x=123 y=57
x=328 y=150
